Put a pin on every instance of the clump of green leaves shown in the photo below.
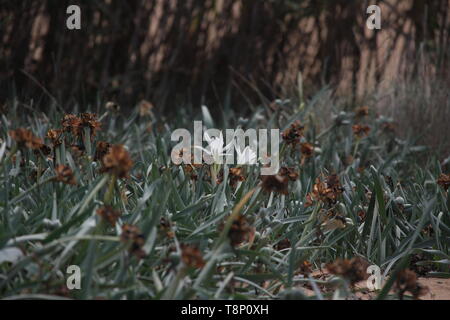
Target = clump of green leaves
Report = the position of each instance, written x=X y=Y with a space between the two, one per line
x=140 y=227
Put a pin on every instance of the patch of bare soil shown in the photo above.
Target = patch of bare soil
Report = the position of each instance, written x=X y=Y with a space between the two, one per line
x=438 y=289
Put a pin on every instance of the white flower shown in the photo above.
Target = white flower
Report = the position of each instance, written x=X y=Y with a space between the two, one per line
x=215 y=148
x=246 y=156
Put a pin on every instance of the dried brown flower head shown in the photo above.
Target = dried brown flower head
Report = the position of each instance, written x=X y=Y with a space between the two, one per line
x=129 y=233
x=331 y=220
x=117 y=161
x=192 y=256
x=291 y=173
x=419 y=264
x=293 y=134
x=235 y=175
x=190 y=171
x=326 y=191
x=89 y=120
x=101 y=150
x=444 y=181
x=276 y=183
x=406 y=281
x=360 y=131
x=362 y=111
x=240 y=231
x=54 y=135
x=109 y=214
x=132 y=235
x=354 y=270
x=26 y=139
x=307 y=150
x=71 y=123
x=65 y=175
x=362 y=215
x=309 y=201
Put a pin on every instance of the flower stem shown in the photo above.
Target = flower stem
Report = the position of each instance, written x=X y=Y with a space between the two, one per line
x=356 y=147
x=110 y=193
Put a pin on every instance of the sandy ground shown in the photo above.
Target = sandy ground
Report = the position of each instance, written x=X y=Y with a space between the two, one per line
x=438 y=289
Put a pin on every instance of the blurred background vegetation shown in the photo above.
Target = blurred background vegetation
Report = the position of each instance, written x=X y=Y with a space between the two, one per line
x=229 y=53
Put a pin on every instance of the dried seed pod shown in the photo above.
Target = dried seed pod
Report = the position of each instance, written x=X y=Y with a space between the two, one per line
x=117 y=161
x=89 y=120
x=326 y=191
x=360 y=131
x=26 y=139
x=65 y=175
x=406 y=281
x=71 y=123
x=444 y=181
x=293 y=134
x=109 y=214
x=191 y=256
x=291 y=173
x=101 y=150
x=133 y=236
x=307 y=150
x=354 y=270
x=240 y=231
x=54 y=135
x=276 y=183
